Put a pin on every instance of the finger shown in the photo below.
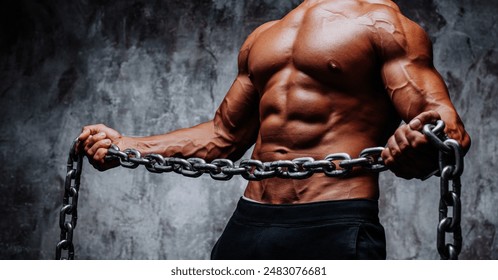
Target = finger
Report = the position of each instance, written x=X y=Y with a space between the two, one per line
x=386 y=156
x=99 y=162
x=92 y=140
x=402 y=143
x=101 y=144
x=85 y=133
x=410 y=140
x=423 y=151
x=390 y=153
x=100 y=155
x=90 y=130
x=427 y=117
x=407 y=153
x=397 y=161
x=96 y=128
x=419 y=154
x=417 y=140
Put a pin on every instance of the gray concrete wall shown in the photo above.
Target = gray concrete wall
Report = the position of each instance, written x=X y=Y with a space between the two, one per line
x=146 y=67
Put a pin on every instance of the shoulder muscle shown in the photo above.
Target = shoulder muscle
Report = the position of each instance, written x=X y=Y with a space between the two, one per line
x=247 y=45
x=397 y=36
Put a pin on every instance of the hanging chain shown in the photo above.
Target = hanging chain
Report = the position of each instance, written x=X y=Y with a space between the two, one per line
x=68 y=214
x=333 y=165
x=450 y=169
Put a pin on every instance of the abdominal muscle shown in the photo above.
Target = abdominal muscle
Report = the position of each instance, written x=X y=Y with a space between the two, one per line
x=315 y=100
x=305 y=122
x=319 y=187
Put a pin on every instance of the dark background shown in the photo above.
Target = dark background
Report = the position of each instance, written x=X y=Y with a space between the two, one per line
x=146 y=67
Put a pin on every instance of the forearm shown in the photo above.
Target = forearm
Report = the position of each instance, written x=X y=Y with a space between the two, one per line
x=423 y=90
x=203 y=141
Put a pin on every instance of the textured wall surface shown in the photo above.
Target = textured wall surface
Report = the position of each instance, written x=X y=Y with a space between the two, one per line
x=146 y=67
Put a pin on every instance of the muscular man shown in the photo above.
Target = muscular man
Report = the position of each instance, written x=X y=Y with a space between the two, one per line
x=331 y=76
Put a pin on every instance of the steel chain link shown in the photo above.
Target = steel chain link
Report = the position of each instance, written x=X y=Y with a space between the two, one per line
x=333 y=165
x=68 y=214
x=450 y=169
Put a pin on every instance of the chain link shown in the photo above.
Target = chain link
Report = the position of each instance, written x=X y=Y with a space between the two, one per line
x=333 y=165
x=68 y=215
x=450 y=169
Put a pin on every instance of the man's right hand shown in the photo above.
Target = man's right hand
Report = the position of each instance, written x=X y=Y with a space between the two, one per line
x=95 y=141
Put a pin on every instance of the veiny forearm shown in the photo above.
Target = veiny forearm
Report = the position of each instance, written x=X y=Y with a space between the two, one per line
x=203 y=141
x=417 y=88
x=412 y=102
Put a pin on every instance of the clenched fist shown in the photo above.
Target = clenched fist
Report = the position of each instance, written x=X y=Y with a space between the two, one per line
x=95 y=140
x=408 y=153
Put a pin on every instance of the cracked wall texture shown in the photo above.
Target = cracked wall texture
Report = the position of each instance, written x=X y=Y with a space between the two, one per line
x=145 y=67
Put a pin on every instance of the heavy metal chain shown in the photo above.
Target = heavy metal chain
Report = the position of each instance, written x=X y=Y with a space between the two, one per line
x=450 y=169
x=333 y=165
x=68 y=214
x=250 y=169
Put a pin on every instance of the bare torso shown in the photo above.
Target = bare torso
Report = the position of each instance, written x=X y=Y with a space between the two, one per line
x=320 y=88
x=331 y=76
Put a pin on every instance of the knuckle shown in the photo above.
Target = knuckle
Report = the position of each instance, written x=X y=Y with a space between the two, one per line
x=389 y=162
x=385 y=154
x=435 y=114
x=419 y=142
x=87 y=149
x=101 y=153
x=402 y=129
x=391 y=142
x=403 y=146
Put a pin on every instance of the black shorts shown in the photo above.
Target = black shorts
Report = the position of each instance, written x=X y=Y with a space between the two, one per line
x=345 y=229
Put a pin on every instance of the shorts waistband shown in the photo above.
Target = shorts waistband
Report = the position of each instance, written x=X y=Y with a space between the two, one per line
x=352 y=209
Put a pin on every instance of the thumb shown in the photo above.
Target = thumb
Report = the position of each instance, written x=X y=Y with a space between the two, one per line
x=424 y=118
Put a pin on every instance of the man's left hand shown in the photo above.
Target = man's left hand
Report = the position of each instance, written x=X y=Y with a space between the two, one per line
x=408 y=153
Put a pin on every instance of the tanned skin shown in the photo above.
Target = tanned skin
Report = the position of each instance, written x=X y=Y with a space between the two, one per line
x=331 y=76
